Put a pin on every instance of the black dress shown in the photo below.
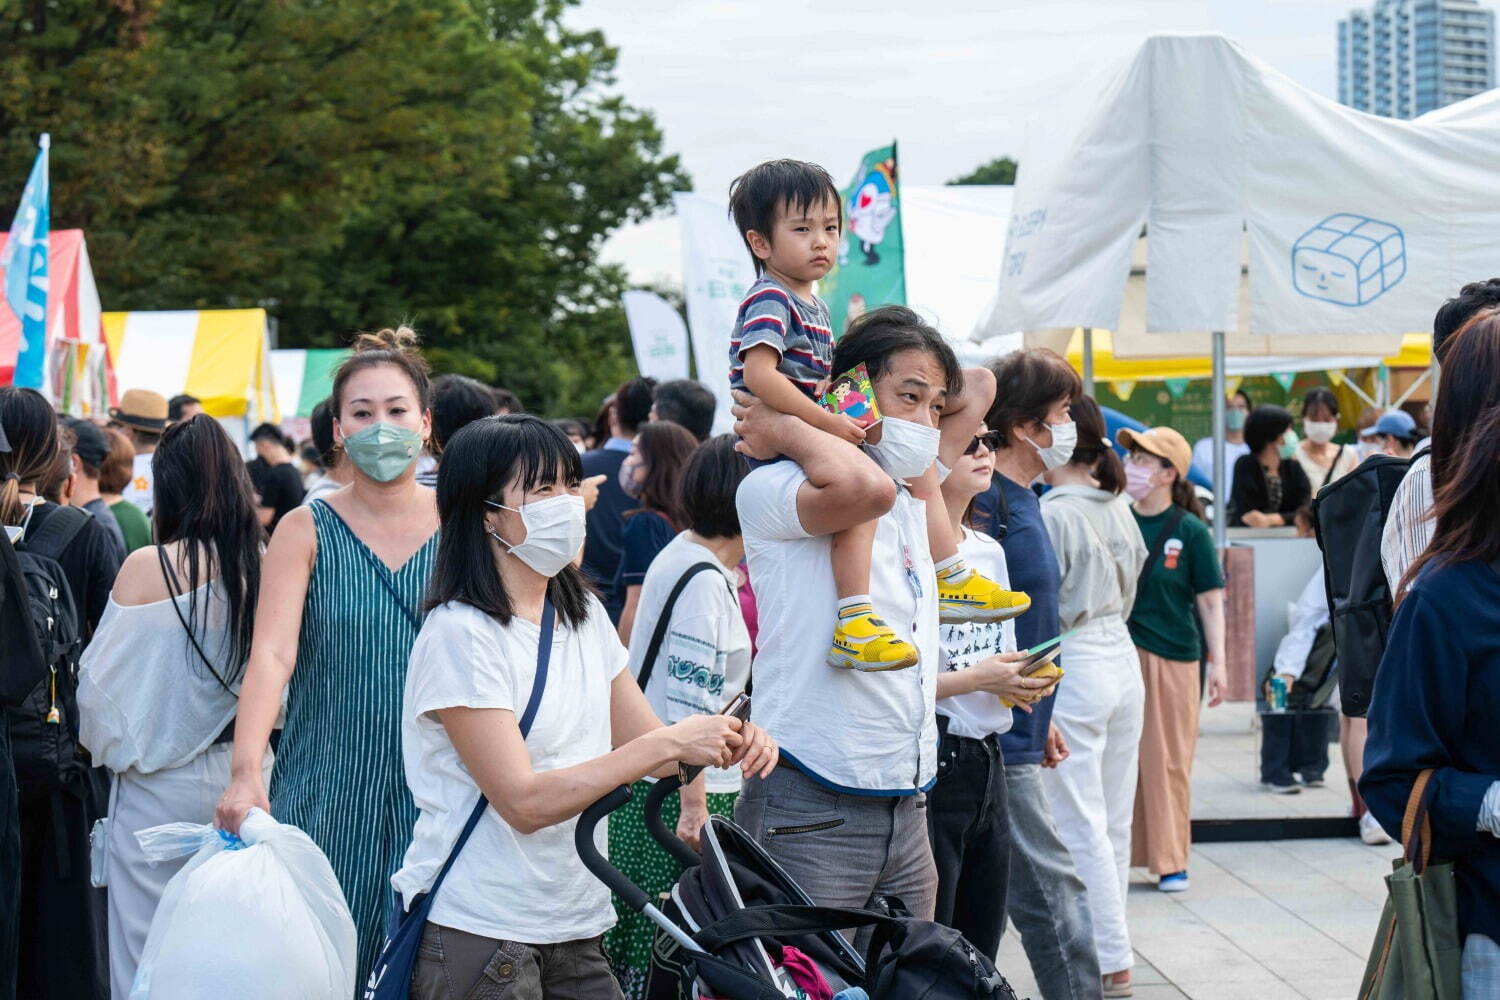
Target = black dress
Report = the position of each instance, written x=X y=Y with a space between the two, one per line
x=1253 y=491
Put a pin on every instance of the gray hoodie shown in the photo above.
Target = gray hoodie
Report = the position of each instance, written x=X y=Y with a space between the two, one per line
x=1099 y=552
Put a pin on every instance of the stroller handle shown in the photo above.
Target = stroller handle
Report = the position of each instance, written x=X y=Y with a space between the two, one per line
x=583 y=840
x=668 y=839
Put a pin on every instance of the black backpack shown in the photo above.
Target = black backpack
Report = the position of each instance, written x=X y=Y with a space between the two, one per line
x=44 y=727
x=1349 y=517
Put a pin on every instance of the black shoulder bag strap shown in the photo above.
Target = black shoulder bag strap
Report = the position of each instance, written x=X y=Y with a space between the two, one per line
x=538 y=685
x=57 y=533
x=1328 y=476
x=665 y=619
x=1173 y=520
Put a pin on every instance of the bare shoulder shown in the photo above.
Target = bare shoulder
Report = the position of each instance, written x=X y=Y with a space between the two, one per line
x=295 y=540
x=140 y=579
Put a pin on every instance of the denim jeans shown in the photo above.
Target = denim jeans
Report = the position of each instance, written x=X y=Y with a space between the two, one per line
x=1481 y=977
x=1047 y=900
x=966 y=816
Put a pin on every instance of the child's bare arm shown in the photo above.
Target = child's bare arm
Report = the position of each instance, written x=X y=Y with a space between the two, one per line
x=962 y=414
x=777 y=391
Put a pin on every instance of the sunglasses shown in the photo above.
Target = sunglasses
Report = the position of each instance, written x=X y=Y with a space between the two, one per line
x=990 y=440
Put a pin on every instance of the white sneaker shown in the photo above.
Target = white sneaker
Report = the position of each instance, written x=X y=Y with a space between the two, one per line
x=1370 y=831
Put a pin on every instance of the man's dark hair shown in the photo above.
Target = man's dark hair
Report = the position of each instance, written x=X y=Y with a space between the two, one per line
x=689 y=403
x=880 y=333
x=1264 y=425
x=322 y=433
x=708 y=486
x=633 y=403
x=760 y=192
x=1471 y=299
x=270 y=432
x=176 y=403
x=504 y=399
x=458 y=400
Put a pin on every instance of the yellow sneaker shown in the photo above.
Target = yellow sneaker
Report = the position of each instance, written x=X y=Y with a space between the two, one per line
x=979 y=599
x=864 y=642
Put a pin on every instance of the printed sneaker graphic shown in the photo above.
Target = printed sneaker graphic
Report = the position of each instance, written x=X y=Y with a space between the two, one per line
x=1349 y=260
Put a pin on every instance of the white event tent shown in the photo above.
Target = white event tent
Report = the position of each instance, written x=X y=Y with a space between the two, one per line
x=1340 y=223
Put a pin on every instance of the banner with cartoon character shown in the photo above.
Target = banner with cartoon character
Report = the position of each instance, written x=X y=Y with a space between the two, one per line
x=871 y=267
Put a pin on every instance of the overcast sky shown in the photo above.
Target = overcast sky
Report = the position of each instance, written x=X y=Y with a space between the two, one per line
x=735 y=82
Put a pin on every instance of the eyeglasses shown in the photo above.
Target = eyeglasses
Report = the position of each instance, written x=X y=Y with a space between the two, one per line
x=990 y=440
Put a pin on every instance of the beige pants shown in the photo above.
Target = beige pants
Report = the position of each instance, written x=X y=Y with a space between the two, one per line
x=1161 y=835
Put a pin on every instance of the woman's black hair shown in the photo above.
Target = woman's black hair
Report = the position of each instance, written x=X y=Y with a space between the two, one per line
x=1320 y=395
x=203 y=500
x=709 y=482
x=479 y=463
x=1093 y=450
x=1028 y=383
x=321 y=424
x=1265 y=424
x=1242 y=394
x=31 y=428
x=664 y=449
x=880 y=334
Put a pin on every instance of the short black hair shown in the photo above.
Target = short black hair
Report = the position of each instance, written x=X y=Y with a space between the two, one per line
x=457 y=400
x=1265 y=424
x=880 y=333
x=270 y=432
x=1453 y=314
x=760 y=192
x=633 y=403
x=504 y=399
x=709 y=482
x=1242 y=394
x=176 y=403
x=689 y=403
x=1320 y=395
x=322 y=433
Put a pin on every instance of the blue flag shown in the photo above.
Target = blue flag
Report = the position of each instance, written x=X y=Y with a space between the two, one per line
x=24 y=261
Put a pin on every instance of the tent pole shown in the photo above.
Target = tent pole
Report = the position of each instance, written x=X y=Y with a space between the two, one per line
x=1221 y=495
x=1088 y=360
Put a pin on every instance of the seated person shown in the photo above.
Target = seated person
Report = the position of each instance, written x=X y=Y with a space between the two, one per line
x=1269 y=484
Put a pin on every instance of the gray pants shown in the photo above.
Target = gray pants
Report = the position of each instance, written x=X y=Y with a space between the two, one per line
x=842 y=849
x=1047 y=900
x=453 y=964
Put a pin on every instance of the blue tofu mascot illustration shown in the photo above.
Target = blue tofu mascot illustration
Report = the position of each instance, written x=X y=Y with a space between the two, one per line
x=1349 y=260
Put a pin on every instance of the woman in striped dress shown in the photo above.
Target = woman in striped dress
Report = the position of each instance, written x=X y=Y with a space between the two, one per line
x=340 y=607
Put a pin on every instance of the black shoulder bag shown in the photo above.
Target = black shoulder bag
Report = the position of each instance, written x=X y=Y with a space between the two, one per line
x=653 y=649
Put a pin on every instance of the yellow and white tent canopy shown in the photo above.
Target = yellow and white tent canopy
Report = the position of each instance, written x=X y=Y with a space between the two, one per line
x=221 y=356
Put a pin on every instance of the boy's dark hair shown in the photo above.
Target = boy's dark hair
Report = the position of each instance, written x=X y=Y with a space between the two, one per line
x=880 y=333
x=708 y=485
x=689 y=403
x=504 y=399
x=633 y=403
x=760 y=192
x=176 y=403
x=457 y=400
x=1453 y=314
x=271 y=432
x=1265 y=424
x=1028 y=383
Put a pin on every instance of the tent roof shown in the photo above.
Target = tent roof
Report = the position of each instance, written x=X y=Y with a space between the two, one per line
x=217 y=355
x=1415 y=352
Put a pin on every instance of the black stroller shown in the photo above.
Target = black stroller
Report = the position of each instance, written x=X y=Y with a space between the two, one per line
x=727 y=923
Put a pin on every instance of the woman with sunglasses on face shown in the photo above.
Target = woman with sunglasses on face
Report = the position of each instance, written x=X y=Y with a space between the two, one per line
x=519 y=915
x=966 y=810
x=1092 y=792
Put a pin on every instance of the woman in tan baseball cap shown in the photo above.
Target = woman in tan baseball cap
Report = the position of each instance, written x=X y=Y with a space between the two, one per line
x=1180 y=585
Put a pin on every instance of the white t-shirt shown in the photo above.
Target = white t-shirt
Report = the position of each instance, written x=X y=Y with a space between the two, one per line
x=978 y=713
x=704 y=660
x=142 y=486
x=1203 y=461
x=864 y=732
x=505 y=885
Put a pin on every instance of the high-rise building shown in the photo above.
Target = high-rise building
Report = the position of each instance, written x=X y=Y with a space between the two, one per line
x=1403 y=58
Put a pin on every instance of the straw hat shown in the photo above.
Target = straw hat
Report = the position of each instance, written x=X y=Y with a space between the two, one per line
x=142 y=408
x=1163 y=442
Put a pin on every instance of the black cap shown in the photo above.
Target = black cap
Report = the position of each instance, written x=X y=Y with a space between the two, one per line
x=92 y=446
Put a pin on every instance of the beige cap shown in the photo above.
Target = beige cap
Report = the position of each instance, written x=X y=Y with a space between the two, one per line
x=1163 y=442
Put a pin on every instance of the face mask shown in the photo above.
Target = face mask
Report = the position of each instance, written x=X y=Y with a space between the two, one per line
x=1234 y=420
x=1320 y=431
x=906 y=449
x=554 y=532
x=1138 y=478
x=383 y=451
x=628 y=483
x=1064 y=437
x=1289 y=444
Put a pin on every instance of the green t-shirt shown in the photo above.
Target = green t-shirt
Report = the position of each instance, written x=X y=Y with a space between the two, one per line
x=133 y=525
x=1163 y=621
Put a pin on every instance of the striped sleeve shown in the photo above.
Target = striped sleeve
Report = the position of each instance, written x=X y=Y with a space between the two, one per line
x=766 y=317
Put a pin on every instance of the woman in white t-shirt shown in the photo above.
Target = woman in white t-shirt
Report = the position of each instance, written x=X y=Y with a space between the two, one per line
x=519 y=913
x=967 y=817
x=701 y=661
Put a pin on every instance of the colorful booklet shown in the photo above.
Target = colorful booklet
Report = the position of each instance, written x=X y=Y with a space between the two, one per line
x=852 y=395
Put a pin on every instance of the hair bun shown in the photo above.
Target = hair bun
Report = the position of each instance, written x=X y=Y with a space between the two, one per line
x=401 y=340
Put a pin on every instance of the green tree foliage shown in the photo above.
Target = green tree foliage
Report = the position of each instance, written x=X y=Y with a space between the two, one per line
x=997 y=171
x=349 y=164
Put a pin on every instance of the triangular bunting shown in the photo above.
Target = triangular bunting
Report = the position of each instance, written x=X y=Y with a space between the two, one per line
x=1232 y=385
x=1336 y=377
x=1122 y=390
x=1285 y=380
x=1176 y=386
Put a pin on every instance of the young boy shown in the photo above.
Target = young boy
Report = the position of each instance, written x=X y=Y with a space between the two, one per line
x=791 y=217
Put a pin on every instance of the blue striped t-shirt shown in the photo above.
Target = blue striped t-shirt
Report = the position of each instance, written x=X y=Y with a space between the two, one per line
x=801 y=332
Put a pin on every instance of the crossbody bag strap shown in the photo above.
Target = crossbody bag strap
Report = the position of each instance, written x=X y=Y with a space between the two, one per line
x=1416 y=829
x=1328 y=476
x=538 y=686
x=663 y=620
x=1157 y=547
x=174 y=591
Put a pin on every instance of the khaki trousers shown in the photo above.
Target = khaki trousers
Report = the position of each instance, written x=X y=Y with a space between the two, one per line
x=1161 y=836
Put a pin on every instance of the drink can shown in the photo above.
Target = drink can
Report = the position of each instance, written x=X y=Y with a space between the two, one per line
x=1278 y=693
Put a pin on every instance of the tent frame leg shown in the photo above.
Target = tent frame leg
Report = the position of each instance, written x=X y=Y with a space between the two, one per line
x=1221 y=495
x=1088 y=360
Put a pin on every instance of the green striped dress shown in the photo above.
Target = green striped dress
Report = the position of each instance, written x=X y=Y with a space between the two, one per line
x=338 y=773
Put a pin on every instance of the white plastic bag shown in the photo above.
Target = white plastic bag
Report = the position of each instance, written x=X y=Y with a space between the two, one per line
x=262 y=917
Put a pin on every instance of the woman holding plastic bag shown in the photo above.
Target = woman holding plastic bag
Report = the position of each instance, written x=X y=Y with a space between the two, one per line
x=518 y=907
x=174 y=636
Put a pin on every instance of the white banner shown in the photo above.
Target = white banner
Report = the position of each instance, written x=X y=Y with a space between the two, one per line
x=658 y=334
x=716 y=271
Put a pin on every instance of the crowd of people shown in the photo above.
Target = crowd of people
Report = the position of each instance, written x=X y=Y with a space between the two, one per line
x=439 y=599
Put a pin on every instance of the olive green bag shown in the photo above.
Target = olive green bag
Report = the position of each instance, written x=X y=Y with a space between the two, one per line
x=1417 y=954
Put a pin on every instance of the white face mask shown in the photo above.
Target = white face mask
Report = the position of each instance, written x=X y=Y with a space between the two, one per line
x=906 y=449
x=1060 y=452
x=554 y=532
x=1320 y=431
